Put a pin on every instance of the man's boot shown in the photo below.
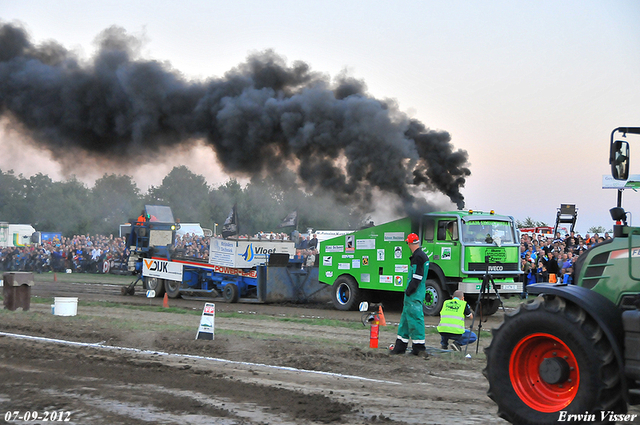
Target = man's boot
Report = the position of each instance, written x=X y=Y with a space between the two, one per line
x=419 y=350
x=399 y=347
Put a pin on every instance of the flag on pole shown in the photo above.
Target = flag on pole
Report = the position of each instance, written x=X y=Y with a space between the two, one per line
x=290 y=220
x=230 y=226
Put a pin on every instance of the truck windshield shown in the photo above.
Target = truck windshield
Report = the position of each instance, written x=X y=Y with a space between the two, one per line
x=487 y=232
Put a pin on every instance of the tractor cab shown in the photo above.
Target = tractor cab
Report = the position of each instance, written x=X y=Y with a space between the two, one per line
x=153 y=232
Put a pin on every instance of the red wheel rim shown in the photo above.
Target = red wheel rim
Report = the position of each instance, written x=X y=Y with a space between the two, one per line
x=524 y=371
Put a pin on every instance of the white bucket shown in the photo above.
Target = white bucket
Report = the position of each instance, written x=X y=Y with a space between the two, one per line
x=65 y=306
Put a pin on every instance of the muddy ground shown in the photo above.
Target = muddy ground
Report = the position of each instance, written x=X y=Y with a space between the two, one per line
x=268 y=364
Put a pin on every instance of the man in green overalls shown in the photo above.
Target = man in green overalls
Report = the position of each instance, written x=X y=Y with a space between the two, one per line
x=412 y=319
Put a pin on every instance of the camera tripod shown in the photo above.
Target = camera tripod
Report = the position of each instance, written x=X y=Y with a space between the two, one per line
x=487 y=282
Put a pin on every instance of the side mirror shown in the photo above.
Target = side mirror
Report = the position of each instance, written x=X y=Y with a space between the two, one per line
x=620 y=160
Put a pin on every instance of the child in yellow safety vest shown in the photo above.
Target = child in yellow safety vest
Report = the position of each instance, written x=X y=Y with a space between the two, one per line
x=452 y=325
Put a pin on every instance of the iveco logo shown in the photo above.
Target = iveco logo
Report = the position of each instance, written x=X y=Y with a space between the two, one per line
x=496 y=268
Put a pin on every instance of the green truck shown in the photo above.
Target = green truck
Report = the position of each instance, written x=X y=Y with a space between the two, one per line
x=372 y=263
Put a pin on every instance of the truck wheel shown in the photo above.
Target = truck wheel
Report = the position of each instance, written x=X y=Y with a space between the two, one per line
x=155 y=284
x=172 y=288
x=433 y=298
x=550 y=356
x=231 y=293
x=346 y=294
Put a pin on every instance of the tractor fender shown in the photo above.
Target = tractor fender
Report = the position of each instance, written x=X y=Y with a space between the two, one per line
x=606 y=314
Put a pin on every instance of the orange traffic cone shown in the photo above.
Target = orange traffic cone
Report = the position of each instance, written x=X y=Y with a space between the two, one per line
x=55 y=278
x=165 y=302
x=381 y=318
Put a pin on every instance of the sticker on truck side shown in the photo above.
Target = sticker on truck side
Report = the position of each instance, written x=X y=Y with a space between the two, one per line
x=162 y=269
x=401 y=268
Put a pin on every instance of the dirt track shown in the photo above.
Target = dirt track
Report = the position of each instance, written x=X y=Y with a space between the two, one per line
x=267 y=364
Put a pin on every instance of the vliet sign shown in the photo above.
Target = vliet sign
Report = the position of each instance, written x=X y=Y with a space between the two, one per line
x=162 y=269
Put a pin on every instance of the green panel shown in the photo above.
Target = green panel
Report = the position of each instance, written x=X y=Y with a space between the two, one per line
x=365 y=253
x=477 y=254
x=608 y=267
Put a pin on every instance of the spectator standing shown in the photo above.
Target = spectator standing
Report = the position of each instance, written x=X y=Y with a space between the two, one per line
x=552 y=267
x=313 y=242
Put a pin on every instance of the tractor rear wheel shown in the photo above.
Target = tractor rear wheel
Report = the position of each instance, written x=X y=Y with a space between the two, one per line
x=346 y=293
x=550 y=357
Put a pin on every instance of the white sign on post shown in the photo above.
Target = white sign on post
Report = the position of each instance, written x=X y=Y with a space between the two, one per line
x=207 y=322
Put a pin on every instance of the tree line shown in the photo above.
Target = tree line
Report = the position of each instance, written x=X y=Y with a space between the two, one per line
x=72 y=208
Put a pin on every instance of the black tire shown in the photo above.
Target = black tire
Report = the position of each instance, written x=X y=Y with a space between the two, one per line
x=433 y=298
x=548 y=357
x=230 y=293
x=346 y=294
x=154 y=283
x=487 y=306
x=172 y=288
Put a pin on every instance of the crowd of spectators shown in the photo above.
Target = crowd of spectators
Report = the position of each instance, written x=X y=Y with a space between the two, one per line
x=89 y=253
x=552 y=259
x=81 y=253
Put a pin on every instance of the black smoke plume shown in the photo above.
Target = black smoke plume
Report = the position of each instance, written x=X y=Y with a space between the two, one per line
x=263 y=117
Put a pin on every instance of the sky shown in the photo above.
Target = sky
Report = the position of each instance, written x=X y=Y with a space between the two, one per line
x=531 y=90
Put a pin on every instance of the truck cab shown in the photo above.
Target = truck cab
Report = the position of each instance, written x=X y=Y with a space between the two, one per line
x=462 y=247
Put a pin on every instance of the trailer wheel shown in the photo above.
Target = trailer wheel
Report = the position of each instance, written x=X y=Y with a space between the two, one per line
x=231 y=293
x=172 y=288
x=550 y=356
x=155 y=284
x=346 y=294
x=433 y=298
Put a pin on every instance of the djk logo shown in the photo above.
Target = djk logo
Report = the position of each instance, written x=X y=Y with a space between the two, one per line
x=156 y=266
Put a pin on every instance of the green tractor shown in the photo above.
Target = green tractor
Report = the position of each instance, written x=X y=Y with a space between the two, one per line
x=573 y=353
